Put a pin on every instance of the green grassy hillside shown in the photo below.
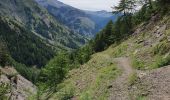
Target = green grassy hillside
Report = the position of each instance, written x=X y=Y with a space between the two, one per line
x=147 y=49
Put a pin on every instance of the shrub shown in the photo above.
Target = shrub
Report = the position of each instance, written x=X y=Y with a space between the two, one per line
x=162 y=48
x=68 y=94
x=4 y=89
x=132 y=79
x=161 y=61
x=138 y=64
x=29 y=73
x=86 y=96
x=120 y=50
x=141 y=98
x=54 y=72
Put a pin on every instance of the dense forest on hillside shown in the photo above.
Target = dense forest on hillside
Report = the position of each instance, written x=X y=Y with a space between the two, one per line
x=25 y=48
x=26 y=24
x=51 y=67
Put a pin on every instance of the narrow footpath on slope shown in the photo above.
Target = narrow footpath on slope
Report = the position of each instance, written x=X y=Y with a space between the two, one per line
x=119 y=91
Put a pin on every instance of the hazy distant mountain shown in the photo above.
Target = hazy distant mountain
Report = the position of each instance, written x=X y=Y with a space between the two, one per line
x=87 y=23
x=101 y=18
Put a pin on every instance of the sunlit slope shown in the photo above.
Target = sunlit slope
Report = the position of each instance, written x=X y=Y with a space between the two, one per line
x=128 y=63
x=91 y=80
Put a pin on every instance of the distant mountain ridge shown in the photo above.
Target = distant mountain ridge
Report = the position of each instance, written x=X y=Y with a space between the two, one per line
x=86 y=23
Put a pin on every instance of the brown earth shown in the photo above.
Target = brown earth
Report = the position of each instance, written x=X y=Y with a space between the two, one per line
x=153 y=85
x=120 y=85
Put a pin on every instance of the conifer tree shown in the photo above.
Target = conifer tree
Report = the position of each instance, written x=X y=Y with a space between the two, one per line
x=146 y=3
x=54 y=72
x=108 y=33
x=4 y=57
x=125 y=7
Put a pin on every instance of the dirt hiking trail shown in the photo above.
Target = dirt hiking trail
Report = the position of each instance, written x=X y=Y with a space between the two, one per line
x=120 y=85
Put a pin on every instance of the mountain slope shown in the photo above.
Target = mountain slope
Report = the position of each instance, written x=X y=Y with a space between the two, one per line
x=82 y=22
x=31 y=34
x=37 y=19
x=147 y=48
x=24 y=46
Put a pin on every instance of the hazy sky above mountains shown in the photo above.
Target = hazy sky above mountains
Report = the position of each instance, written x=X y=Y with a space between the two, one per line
x=92 y=5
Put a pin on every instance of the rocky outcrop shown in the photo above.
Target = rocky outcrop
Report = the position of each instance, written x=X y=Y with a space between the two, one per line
x=20 y=88
x=155 y=84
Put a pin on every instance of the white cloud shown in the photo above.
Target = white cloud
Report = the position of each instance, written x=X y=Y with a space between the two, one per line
x=93 y=5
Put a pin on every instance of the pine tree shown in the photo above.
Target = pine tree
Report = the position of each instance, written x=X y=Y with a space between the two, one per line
x=164 y=1
x=146 y=3
x=54 y=72
x=4 y=56
x=125 y=7
x=4 y=89
x=108 y=33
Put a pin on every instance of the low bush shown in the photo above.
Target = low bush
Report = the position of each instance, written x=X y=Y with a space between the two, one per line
x=132 y=79
x=162 y=48
x=4 y=89
x=161 y=61
x=138 y=64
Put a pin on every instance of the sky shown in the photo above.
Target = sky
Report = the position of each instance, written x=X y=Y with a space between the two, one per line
x=92 y=5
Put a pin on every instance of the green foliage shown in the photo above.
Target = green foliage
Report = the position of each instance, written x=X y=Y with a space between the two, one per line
x=125 y=7
x=162 y=48
x=4 y=55
x=108 y=33
x=138 y=64
x=99 y=88
x=4 y=89
x=141 y=98
x=120 y=50
x=132 y=79
x=29 y=73
x=54 y=72
x=149 y=9
x=37 y=19
x=23 y=45
x=144 y=14
x=161 y=54
x=66 y=94
x=163 y=6
x=161 y=61
x=112 y=33
x=81 y=55
x=106 y=73
x=86 y=96
x=103 y=39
